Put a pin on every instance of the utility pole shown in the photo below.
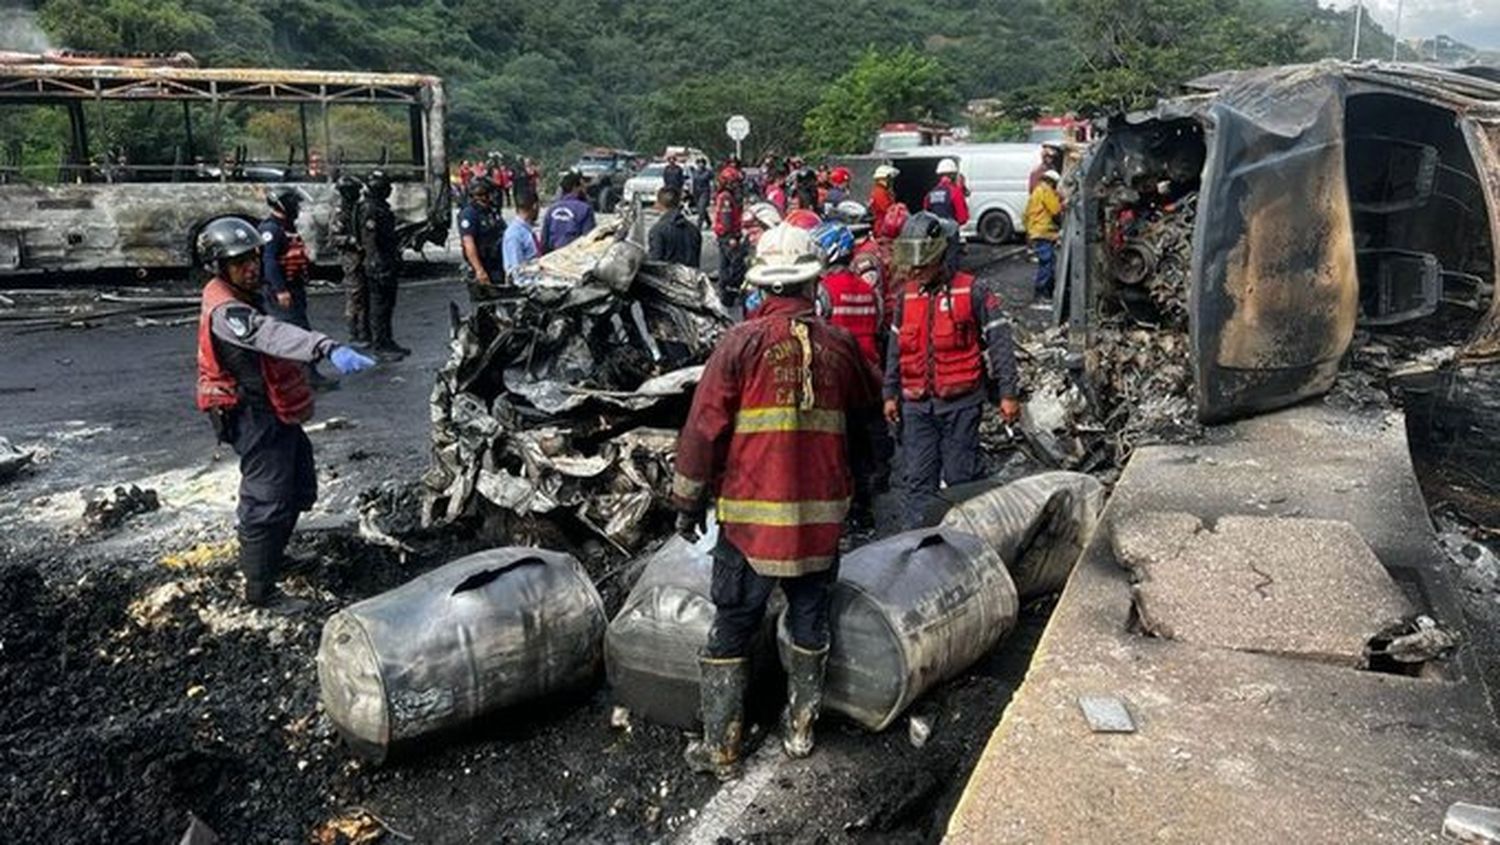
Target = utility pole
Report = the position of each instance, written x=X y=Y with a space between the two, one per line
x=1359 y=13
x=1396 y=41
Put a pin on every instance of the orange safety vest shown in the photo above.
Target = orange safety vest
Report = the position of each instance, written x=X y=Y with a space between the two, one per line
x=940 y=341
x=290 y=397
x=853 y=306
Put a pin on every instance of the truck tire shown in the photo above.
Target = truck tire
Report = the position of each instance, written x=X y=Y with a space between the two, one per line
x=995 y=227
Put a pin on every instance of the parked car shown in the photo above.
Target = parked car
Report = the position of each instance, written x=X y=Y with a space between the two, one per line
x=644 y=184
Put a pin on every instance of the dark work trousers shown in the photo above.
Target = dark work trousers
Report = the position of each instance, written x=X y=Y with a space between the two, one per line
x=731 y=268
x=277 y=477
x=740 y=594
x=357 y=294
x=936 y=446
x=382 y=306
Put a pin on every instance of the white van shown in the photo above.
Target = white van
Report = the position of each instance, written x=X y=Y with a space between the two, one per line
x=996 y=175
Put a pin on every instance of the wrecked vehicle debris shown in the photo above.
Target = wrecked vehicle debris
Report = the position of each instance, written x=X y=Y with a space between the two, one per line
x=487 y=631
x=1224 y=248
x=911 y=611
x=560 y=399
x=107 y=511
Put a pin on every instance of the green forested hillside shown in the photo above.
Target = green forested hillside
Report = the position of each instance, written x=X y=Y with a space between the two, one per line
x=541 y=75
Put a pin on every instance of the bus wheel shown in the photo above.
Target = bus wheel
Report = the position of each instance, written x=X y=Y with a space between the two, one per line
x=995 y=227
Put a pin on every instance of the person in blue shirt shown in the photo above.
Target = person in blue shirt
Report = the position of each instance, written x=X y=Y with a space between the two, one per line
x=479 y=225
x=519 y=245
x=570 y=217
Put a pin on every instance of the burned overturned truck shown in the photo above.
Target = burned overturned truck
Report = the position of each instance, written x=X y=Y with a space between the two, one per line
x=1230 y=251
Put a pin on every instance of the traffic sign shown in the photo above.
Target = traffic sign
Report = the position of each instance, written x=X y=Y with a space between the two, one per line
x=737 y=127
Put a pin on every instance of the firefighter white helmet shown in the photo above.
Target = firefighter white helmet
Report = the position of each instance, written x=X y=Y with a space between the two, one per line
x=786 y=256
x=947 y=167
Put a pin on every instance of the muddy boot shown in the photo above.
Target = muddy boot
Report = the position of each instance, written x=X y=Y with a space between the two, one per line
x=723 y=696
x=261 y=549
x=293 y=564
x=804 y=695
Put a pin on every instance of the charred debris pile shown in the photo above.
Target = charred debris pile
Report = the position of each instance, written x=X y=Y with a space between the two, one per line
x=556 y=414
x=1275 y=236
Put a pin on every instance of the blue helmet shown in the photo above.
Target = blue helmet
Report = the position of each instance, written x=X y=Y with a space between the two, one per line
x=835 y=242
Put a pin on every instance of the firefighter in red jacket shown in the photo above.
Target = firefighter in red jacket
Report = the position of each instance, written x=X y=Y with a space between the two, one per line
x=729 y=205
x=776 y=432
x=252 y=381
x=951 y=354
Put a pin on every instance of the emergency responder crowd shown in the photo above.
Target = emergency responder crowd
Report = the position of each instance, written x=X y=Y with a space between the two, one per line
x=862 y=340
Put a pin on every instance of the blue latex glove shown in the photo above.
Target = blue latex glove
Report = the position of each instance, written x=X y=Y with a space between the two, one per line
x=348 y=360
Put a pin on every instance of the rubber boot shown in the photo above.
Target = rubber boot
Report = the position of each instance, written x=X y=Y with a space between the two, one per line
x=261 y=547
x=723 y=710
x=804 y=696
x=292 y=564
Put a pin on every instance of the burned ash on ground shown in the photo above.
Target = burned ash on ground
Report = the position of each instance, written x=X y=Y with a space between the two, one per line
x=141 y=692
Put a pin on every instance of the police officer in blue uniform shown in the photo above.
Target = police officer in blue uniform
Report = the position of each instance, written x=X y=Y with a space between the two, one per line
x=480 y=228
x=286 y=267
x=252 y=381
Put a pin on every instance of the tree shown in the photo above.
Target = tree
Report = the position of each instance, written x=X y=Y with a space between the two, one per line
x=881 y=87
x=694 y=111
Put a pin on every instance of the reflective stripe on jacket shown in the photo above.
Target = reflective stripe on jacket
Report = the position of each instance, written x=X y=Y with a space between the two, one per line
x=855 y=307
x=767 y=437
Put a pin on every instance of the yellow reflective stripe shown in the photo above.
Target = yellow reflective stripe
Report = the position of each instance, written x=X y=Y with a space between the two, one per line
x=776 y=568
x=762 y=512
x=783 y=418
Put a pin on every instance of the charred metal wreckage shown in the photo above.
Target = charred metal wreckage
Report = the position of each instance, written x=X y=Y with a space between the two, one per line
x=562 y=396
x=1228 y=252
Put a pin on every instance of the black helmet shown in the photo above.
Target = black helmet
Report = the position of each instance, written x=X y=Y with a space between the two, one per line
x=380 y=184
x=805 y=176
x=923 y=240
x=287 y=201
x=479 y=188
x=348 y=186
x=225 y=238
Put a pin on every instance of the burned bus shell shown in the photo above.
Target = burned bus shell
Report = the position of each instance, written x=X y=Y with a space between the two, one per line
x=1317 y=201
x=90 y=210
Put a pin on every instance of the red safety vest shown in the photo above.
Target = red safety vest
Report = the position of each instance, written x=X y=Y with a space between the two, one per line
x=940 y=341
x=727 y=212
x=294 y=260
x=870 y=262
x=286 y=381
x=853 y=306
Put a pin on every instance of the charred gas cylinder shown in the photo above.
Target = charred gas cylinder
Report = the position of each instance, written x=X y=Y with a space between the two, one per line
x=484 y=632
x=911 y=611
x=1038 y=525
x=652 y=647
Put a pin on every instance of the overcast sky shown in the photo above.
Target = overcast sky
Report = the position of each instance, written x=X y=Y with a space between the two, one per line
x=1474 y=22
